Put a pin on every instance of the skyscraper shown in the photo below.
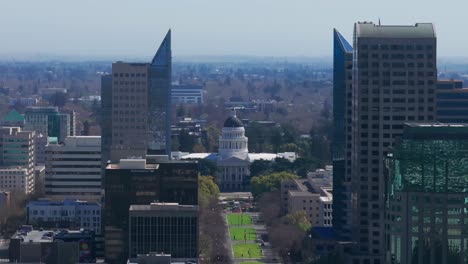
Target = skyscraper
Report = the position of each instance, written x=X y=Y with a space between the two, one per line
x=136 y=101
x=341 y=148
x=394 y=80
x=427 y=194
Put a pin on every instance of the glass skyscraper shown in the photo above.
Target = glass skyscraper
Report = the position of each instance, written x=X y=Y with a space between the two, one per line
x=427 y=196
x=342 y=85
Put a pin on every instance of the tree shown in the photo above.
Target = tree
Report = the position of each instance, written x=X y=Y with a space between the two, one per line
x=299 y=219
x=259 y=167
x=207 y=189
x=58 y=99
x=198 y=148
x=186 y=141
x=269 y=182
x=180 y=111
x=207 y=167
x=86 y=127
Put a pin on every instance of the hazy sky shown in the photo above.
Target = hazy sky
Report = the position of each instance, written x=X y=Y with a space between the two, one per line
x=115 y=28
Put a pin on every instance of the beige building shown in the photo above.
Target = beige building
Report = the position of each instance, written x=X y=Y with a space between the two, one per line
x=312 y=195
x=394 y=78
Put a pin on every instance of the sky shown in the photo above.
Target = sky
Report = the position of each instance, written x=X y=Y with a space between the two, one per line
x=277 y=28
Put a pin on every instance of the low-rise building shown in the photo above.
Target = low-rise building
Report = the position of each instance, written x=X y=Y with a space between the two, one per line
x=312 y=195
x=68 y=213
x=154 y=220
x=52 y=247
x=187 y=94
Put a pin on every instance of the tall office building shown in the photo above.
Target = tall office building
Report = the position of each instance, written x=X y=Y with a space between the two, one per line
x=427 y=194
x=73 y=169
x=17 y=159
x=136 y=101
x=136 y=182
x=341 y=147
x=393 y=81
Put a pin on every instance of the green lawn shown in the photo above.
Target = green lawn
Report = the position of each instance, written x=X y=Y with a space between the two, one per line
x=239 y=233
x=239 y=219
x=242 y=251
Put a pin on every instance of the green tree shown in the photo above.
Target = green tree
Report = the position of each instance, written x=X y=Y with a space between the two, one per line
x=186 y=141
x=86 y=128
x=259 y=167
x=207 y=189
x=269 y=182
x=207 y=167
x=299 y=219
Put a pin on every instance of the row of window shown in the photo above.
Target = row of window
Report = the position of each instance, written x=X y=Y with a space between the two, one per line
x=129 y=74
x=395 y=47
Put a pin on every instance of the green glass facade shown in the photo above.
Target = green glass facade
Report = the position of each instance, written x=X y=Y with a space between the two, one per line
x=427 y=196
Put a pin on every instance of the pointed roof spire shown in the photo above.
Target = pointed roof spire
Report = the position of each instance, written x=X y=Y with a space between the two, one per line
x=164 y=54
x=342 y=41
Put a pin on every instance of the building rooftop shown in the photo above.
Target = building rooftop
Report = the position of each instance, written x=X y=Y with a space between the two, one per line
x=371 y=30
x=435 y=131
x=163 y=207
x=13 y=116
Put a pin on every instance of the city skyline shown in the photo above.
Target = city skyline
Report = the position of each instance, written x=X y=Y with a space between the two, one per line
x=88 y=30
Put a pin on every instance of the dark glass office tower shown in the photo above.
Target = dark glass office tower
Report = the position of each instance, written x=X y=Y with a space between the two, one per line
x=159 y=99
x=134 y=182
x=341 y=147
x=427 y=196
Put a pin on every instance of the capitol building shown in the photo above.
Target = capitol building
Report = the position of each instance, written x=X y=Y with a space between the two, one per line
x=233 y=158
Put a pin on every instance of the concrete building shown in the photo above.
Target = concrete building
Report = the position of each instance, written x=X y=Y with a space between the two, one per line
x=68 y=213
x=52 y=247
x=187 y=94
x=394 y=79
x=73 y=169
x=16 y=160
x=136 y=102
x=312 y=195
x=23 y=101
x=426 y=195
x=452 y=101
x=47 y=93
x=137 y=182
x=172 y=227
x=49 y=121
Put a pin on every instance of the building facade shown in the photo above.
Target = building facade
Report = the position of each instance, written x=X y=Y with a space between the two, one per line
x=73 y=169
x=312 y=195
x=426 y=196
x=17 y=160
x=50 y=122
x=341 y=147
x=187 y=94
x=68 y=213
x=394 y=81
x=136 y=182
x=136 y=103
x=452 y=101
x=164 y=227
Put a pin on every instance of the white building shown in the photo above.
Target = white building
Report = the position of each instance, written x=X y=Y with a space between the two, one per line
x=68 y=213
x=187 y=94
x=234 y=158
x=312 y=195
x=73 y=169
x=18 y=179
